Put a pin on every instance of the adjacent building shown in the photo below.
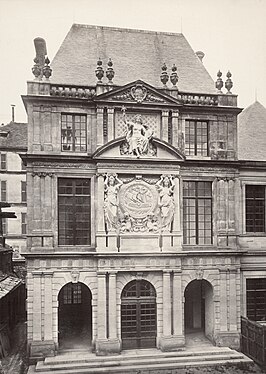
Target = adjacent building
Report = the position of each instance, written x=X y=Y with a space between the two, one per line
x=13 y=141
x=143 y=225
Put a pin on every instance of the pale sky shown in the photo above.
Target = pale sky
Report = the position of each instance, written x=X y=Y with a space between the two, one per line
x=231 y=33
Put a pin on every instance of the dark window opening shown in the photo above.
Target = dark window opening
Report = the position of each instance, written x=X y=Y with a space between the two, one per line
x=256 y=299
x=23 y=223
x=196 y=138
x=197 y=212
x=3 y=191
x=74 y=211
x=23 y=192
x=74 y=132
x=255 y=208
x=3 y=161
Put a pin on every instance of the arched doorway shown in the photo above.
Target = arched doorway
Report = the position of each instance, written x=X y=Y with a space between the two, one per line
x=74 y=316
x=138 y=315
x=199 y=308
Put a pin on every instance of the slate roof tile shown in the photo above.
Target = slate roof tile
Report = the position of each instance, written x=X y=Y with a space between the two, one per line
x=136 y=54
x=14 y=136
x=252 y=133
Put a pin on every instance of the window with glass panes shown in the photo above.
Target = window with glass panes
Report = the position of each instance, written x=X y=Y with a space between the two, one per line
x=74 y=132
x=196 y=138
x=197 y=212
x=256 y=299
x=255 y=208
x=23 y=192
x=74 y=211
x=3 y=191
x=3 y=161
x=23 y=224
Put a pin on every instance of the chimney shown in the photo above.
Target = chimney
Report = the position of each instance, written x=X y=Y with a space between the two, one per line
x=13 y=112
x=200 y=55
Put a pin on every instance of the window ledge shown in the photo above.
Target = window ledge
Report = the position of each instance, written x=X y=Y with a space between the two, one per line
x=190 y=157
x=253 y=234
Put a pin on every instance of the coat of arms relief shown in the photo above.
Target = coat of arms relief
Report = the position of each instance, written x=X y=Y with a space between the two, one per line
x=139 y=206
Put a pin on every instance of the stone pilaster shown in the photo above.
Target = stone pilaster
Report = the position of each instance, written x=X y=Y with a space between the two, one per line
x=168 y=341
x=114 y=345
x=101 y=234
x=165 y=116
x=110 y=114
x=100 y=126
x=175 y=114
x=37 y=307
x=177 y=220
x=178 y=330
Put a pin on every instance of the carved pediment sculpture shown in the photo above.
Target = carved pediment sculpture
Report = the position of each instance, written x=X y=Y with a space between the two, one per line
x=166 y=203
x=111 y=187
x=138 y=141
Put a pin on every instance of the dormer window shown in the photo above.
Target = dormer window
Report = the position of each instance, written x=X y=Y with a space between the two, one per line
x=74 y=132
x=196 y=138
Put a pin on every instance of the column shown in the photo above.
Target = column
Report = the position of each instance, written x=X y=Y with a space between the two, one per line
x=101 y=235
x=110 y=115
x=176 y=135
x=166 y=304
x=164 y=134
x=178 y=308
x=37 y=306
x=114 y=343
x=48 y=306
x=223 y=300
x=232 y=301
x=101 y=306
x=99 y=126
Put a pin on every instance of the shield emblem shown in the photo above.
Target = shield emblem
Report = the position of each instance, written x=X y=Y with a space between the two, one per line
x=138 y=93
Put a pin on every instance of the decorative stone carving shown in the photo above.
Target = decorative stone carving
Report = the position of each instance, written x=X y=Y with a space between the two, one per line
x=138 y=92
x=165 y=187
x=138 y=140
x=199 y=274
x=138 y=207
x=75 y=276
x=111 y=187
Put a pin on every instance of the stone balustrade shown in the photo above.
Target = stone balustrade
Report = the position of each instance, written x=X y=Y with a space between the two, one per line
x=67 y=91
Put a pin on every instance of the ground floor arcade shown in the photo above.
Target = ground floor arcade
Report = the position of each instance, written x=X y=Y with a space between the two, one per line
x=111 y=305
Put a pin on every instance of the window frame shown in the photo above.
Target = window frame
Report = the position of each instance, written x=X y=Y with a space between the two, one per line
x=3 y=191
x=193 y=150
x=255 y=296
x=90 y=226
x=3 y=155
x=72 y=145
x=23 y=223
x=23 y=191
x=246 y=230
x=187 y=239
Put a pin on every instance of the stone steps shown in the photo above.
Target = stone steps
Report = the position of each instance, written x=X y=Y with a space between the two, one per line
x=130 y=363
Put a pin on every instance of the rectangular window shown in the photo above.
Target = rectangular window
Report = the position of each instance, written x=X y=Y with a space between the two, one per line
x=3 y=161
x=256 y=299
x=23 y=192
x=74 y=132
x=197 y=212
x=3 y=191
x=4 y=226
x=196 y=138
x=255 y=208
x=23 y=223
x=74 y=207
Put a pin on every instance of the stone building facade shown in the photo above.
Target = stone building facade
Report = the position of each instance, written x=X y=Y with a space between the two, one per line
x=136 y=199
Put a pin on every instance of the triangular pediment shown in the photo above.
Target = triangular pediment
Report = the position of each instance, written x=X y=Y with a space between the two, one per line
x=164 y=151
x=137 y=92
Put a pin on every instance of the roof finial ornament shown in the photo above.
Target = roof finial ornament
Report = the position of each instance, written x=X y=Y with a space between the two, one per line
x=110 y=72
x=99 y=71
x=228 y=82
x=47 y=71
x=174 y=76
x=164 y=76
x=219 y=83
x=36 y=70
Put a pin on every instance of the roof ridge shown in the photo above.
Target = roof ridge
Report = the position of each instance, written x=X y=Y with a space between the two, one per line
x=125 y=29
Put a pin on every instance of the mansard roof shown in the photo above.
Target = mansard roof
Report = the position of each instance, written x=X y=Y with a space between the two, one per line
x=14 y=136
x=252 y=133
x=136 y=54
